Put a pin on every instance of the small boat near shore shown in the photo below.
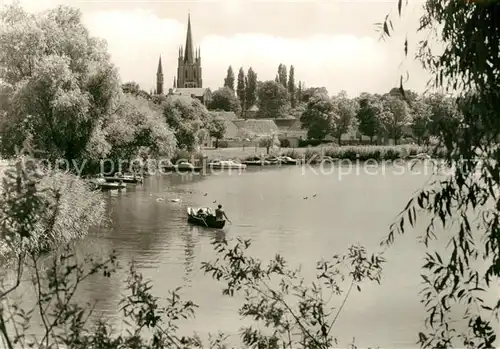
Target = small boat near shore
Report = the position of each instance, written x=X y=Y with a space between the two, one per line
x=226 y=165
x=258 y=161
x=286 y=160
x=100 y=183
x=208 y=220
x=125 y=179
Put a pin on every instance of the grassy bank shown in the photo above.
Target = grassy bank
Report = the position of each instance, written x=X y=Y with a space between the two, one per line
x=363 y=153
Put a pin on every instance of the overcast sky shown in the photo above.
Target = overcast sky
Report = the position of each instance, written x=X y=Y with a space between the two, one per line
x=330 y=43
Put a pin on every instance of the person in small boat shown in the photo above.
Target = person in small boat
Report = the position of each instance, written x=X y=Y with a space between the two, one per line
x=201 y=212
x=220 y=214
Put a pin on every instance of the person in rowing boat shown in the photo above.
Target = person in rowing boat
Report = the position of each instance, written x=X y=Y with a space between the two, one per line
x=201 y=213
x=220 y=214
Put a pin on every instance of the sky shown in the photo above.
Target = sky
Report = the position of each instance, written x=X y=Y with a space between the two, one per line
x=330 y=43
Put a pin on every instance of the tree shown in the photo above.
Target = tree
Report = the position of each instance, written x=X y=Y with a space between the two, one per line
x=138 y=127
x=186 y=117
x=60 y=82
x=131 y=87
x=395 y=117
x=463 y=64
x=444 y=117
x=273 y=100
x=282 y=76
x=345 y=115
x=421 y=112
x=246 y=135
x=299 y=92
x=369 y=116
x=229 y=80
x=217 y=130
x=269 y=141
x=251 y=88
x=241 y=89
x=225 y=99
x=319 y=116
x=309 y=92
x=291 y=87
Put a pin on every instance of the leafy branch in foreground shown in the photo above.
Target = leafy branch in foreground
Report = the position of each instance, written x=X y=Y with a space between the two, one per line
x=466 y=202
x=295 y=313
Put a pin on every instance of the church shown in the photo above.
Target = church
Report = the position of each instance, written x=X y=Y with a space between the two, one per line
x=189 y=79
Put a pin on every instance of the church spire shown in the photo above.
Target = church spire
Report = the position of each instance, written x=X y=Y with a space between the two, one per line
x=159 y=78
x=188 y=54
x=160 y=69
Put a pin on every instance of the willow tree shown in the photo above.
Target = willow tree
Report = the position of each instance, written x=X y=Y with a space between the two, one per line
x=467 y=201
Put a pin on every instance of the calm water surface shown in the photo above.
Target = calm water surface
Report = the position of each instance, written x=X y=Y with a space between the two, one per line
x=267 y=206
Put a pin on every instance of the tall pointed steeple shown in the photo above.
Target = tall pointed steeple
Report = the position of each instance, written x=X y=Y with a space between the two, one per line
x=160 y=68
x=159 y=78
x=188 y=53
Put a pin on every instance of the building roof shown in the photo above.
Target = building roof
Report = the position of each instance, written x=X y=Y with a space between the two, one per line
x=259 y=127
x=253 y=108
x=284 y=124
x=187 y=99
x=228 y=117
x=188 y=91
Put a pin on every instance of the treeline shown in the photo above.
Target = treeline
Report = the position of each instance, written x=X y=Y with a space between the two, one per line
x=394 y=115
x=278 y=98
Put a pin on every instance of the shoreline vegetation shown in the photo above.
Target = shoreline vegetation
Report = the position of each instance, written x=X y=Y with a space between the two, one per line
x=361 y=153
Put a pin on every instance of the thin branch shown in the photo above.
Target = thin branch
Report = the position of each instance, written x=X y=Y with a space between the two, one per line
x=20 y=263
x=41 y=311
x=341 y=306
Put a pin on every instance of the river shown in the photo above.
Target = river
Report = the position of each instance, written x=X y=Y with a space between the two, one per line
x=269 y=207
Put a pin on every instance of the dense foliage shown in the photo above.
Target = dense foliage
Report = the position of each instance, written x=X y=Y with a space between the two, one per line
x=61 y=96
x=465 y=204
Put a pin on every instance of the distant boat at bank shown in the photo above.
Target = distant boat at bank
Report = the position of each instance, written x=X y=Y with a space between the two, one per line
x=226 y=165
x=125 y=179
x=257 y=161
x=100 y=183
x=208 y=220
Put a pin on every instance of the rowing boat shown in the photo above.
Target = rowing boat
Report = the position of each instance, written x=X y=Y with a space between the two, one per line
x=207 y=220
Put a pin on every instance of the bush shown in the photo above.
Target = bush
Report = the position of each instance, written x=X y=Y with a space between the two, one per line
x=284 y=143
x=376 y=152
x=185 y=155
x=223 y=144
x=312 y=142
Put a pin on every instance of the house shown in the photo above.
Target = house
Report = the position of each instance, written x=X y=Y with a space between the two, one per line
x=204 y=95
x=232 y=130
x=291 y=130
x=251 y=112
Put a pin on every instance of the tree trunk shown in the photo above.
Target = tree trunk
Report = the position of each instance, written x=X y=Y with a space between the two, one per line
x=339 y=140
x=216 y=143
x=371 y=140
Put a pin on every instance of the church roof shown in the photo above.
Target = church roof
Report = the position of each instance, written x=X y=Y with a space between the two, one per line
x=188 y=91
